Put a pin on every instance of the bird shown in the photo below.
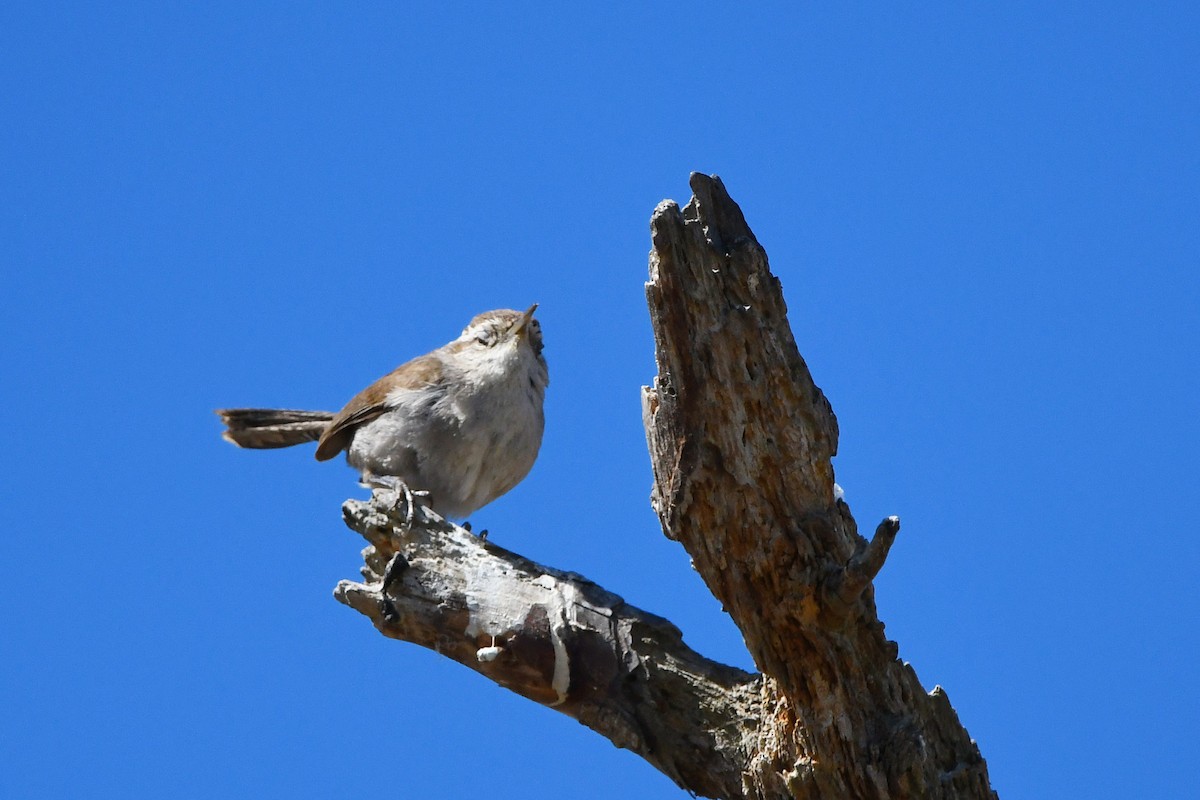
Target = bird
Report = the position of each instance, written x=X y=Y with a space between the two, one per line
x=458 y=426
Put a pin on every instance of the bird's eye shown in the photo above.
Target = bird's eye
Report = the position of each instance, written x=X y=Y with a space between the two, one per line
x=486 y=338
x=535 y=336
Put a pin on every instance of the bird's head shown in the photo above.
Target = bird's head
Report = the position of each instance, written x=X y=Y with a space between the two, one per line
x=505 y=338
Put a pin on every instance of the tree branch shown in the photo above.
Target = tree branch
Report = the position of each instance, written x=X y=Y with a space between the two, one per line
x=846 y=588
x=558 y=639
x=741 y=442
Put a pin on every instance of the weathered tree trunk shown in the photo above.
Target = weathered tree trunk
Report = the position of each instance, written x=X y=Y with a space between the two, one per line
x=740 y=440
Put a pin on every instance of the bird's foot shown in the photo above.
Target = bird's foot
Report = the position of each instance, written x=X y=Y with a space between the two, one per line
x=402 y=490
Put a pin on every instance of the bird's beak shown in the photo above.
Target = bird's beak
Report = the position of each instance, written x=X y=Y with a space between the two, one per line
x=518 y=328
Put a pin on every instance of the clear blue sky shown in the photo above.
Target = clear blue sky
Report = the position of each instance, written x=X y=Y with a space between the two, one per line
x=987 y=224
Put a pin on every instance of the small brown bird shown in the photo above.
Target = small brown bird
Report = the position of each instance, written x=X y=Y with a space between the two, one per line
x=462 y=424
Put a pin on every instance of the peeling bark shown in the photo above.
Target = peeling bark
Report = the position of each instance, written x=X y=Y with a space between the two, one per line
x=741 y=442
x=558 y=639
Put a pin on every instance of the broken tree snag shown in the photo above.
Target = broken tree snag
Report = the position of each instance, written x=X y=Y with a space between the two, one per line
x=558 y=639
x=741 y=442
x=849 y=585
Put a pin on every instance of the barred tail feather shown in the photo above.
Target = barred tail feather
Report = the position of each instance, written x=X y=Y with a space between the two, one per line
x=265 y=428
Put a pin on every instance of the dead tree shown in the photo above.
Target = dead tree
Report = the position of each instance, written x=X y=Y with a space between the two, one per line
x=740 y=440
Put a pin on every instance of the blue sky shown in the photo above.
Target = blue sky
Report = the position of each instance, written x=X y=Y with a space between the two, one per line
x=987 y=224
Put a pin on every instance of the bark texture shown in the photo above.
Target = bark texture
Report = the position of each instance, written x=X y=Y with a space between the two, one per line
x=558 y=639
x=740 y=440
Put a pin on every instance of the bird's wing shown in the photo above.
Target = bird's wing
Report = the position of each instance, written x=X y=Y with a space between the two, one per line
x=420 y=373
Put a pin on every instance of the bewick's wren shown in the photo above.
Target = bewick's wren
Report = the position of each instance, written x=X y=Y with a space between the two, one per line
x=463 y=423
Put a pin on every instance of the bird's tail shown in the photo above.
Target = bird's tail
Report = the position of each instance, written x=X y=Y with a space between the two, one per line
x=264 y=428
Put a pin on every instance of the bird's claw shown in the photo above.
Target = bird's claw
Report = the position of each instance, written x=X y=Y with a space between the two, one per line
x=401 y=489
x=466 y=526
